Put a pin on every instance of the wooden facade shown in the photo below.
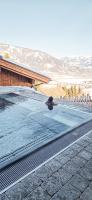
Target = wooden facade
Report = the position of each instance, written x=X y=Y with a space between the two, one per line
x=8 y=78
x=12 y=74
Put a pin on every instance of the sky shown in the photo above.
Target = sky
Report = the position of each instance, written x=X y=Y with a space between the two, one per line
x=58 y=27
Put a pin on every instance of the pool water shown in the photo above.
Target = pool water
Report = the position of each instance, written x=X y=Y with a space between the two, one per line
x=28 y=124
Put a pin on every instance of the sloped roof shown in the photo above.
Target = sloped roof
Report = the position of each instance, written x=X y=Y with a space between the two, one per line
x=23 y=70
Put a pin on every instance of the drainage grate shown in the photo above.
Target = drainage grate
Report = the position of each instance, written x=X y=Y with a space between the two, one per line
x=12 y=173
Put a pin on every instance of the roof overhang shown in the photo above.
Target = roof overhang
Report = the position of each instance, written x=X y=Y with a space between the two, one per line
x=23 y=71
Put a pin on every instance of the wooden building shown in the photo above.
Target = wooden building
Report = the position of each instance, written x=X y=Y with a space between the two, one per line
x=12 y=74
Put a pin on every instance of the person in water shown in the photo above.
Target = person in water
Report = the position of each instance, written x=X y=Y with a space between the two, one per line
x=50 y=103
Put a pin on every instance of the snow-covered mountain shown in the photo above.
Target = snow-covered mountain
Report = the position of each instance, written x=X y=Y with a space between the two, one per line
x=78 y=61
x=80 y=67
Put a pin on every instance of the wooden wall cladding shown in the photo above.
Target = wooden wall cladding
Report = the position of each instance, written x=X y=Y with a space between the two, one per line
x=8 y=78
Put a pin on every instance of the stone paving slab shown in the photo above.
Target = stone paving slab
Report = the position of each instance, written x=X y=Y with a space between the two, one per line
x=79 y=182
x=86 y=195
x=3 y=197
x=53 y=184
x=68 y=176
x=68 y=192
x=79 y=161
x=89 y=148
x=38 y=194
x=86 y=155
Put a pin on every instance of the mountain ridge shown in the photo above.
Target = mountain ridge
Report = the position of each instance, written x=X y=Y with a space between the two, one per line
x=66 y=66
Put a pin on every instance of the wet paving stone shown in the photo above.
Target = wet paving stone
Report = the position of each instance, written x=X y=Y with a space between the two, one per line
x=90 y=136
x=89 y=164
x=53 y=164
x=87 y=139
x=17 y=192
x=64 y=175
x=79 y=182
x=62 y=159
x=87 y=194
x=85 y=154
x=3 y=197
x=38 y=194
x=76 y=147
x=43 y=173
x=83 y=142
x=79 y=161
x=70 y=153
x=31 y=182
x=71 y=167
x=53 y=184
x=68 y=192
x=89 y=148
x=86 y=173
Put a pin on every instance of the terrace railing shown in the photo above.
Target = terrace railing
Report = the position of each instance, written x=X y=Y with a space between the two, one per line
x=84 y=102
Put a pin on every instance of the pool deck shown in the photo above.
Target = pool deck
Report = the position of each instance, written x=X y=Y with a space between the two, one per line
x=66 y=176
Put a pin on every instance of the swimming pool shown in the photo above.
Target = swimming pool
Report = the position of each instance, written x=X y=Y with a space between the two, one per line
x=26 y=124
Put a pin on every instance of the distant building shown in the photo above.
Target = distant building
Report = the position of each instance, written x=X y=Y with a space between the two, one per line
x=13 y=74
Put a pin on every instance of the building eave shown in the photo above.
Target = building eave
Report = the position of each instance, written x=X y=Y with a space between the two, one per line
x=23 y=71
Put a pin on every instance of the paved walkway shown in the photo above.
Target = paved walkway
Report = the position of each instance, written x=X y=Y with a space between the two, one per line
x=68 y=176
